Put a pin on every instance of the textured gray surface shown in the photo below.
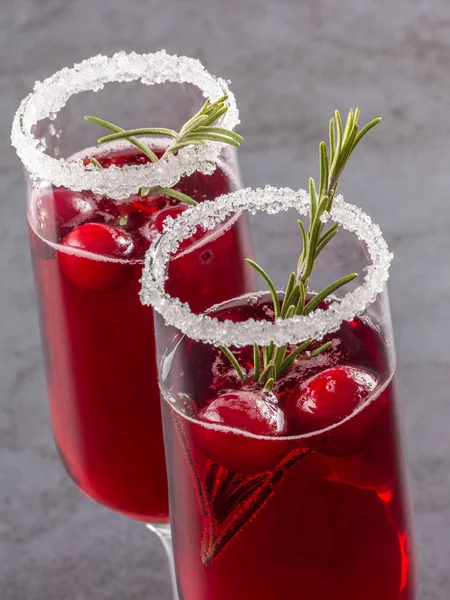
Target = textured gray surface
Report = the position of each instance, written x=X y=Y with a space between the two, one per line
x=291 y=63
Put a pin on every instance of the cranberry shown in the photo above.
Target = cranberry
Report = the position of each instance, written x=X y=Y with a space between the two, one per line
x=104 y=241
x=243 y=411
x=328 y=397
x=57 y=211
x=171 y=211
x=155 y=224
x=363 y=449
x=248 y=411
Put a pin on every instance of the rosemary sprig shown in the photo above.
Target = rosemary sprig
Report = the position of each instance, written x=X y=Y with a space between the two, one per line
x=200 y=128
x=118 y=130
x=297 y=298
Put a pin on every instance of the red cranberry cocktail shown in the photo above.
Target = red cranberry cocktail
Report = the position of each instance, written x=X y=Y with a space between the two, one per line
x=97 y=335
x=91 y=219
x=286 y=476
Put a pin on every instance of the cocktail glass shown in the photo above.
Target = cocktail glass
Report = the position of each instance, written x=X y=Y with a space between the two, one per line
x=89 y=229
x=298 y=492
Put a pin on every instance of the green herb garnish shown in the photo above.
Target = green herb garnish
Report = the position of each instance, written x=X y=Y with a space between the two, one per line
x=200 y=128
x=271 y=362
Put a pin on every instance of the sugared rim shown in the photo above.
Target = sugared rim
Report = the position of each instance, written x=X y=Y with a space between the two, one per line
x=284 y=331
x=92 y=74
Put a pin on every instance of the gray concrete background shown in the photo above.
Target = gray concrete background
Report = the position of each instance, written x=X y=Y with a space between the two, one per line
x=291 y=63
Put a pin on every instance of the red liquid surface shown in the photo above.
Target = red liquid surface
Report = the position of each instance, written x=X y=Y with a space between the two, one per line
x=98 y=339
x=318 y=517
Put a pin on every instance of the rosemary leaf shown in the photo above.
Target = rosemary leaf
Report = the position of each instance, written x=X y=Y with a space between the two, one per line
x=318 y=298
x=319 y=350
x=291 y=311
x=279 y=355
x=323 y=169
x=215 y=117
x=269 y=371
x=142 y=131
x=213 y=137
x=174 y=194
x=234 y=362
x=338 y=120
x=326 y=238
x=304 y=239
x=204 y=107
x=213 y=105
x=313 y=198
x=280 y=351
x=301 y=299
x=102 y=123
x=175 y=147
x=289 y=300
x=289 y=288
x=348 y=149
x=269 y=384
x=314 y=234
x=196 y=121
x=220 y=130
x=95 y=162
x=364 y=130
x=348 y=127
x=267 y=353
x=256 y=362
x=288 y=361
x=273 y=292
x=332 y=137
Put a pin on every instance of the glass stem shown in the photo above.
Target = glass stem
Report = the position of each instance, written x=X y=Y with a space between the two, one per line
x=165 y=535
